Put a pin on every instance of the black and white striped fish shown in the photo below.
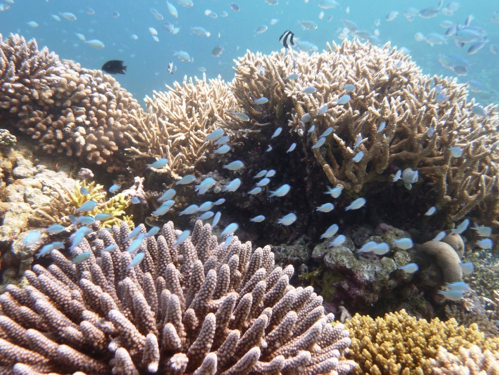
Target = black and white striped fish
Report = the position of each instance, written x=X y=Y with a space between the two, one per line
x=287 y=39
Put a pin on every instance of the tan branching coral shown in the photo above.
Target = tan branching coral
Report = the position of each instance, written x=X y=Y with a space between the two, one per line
x=393 y=117
x=179 y=119
x=402 y=344
x=467 y=361
x=199 y=307
x=68 y=109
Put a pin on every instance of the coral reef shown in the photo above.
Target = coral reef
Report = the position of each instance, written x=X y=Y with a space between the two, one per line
x=66 y=108
x=467 y=361
x=402 y=344
x=196 y=307
x=391 y=115
x=7 y=139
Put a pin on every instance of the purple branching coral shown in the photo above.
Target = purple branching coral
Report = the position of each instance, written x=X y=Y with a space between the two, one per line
x=200 y=307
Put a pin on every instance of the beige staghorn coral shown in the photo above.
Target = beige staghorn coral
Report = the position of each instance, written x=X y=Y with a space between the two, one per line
x=178 y=120
x=468 y=361
x=393 y=107
x=199 y=307
x=68 y=109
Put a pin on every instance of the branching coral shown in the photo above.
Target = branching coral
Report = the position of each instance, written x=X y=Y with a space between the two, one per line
x=392 y=117
x=402 y=344
x=467 y=361
x=200 y=307
x=70 y=110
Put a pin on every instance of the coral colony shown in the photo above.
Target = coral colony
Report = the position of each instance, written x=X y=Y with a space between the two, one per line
x=375 y=194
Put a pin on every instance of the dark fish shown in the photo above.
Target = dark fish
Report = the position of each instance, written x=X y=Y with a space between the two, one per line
x=287 y=39
x=114 y=67
x=217 y=51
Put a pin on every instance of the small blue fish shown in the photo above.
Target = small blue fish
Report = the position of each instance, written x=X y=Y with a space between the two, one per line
x=440 y=236
x=218 y=202
x=292 y=77
x=152 y=232
x=409 y=268
x=397 y=176
x=287 y=219
x=309 y=90
x=192 y=209
x=281 y=192
x=167 y=195
x=349 y=87
x=458 y=285
x=403 y=243
x=206 y=206
x=234 y=166
x=268 y=149
x=72 y=219
x=482 y=230
x=103 y=216
x=137 y=259
x=228 y=241
x=381 y=127
x=485 y=244
x=319 y=143
x=322 y=110
x=222 y=140
x=261 y=173
x=233 y=185
x=32 y=237
x=276 y=133
x=87 y=206
x=229 y=229
x=456 y=152
x=205 y=185
x=344 y=99
x=356 y=204
x=461 y=227
x=431 y=211
x=214 y=135
x=111 y=247
x=48 y=248
x=291 y=148
x=358 y=141
x=241 y=116
x=115 y=188
x=85 y=220
x=84 y=191
x=77 y=238
x=331 y=231
x=136 y=243
x=358 y=157
x=367 y=247
x=133 y=233
x=326 y=207
x=182 y=237
x=270 y=173
x=381 y=249
x=334 y=192
x=338 y=241
x=260 y=101
x=186 y=180
x=440 y=98
x=327 y=132
x=216 y=219
x=258 y=219
x=135 y=200
x=255 y=191
x=222 y=149
x=263 y=182
x=164 y=208
x=158 y=164
x=467 y=268
x=453 y=295
x=207 y=215
x=82 y=257
x=307 y=118
x=55 y=228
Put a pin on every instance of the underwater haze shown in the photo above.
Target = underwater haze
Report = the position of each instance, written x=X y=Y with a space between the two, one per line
x=451 y=38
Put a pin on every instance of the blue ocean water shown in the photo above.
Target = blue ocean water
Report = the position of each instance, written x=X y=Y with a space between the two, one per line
x=115 y=22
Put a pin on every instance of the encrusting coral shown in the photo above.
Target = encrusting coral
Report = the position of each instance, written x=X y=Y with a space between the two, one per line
x=197 y=307
x=68 y=109
x=402 y=344
x=390 y=114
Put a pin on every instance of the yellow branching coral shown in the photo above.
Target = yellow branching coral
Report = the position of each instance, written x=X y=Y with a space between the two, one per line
x=384 y=115
x=402 y=344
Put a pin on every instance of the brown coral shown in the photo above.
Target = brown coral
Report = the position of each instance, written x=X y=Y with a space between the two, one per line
x=199 y=308
x=402 y=344
x=68 y=109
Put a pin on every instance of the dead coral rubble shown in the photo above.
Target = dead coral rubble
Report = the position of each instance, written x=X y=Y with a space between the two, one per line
x=68 y=109
x=199 y=307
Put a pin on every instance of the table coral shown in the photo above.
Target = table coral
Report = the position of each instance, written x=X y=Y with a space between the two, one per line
x=402 y=344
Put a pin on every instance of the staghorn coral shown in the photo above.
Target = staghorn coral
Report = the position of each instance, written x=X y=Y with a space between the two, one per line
x=70 y=110
x=467 y=361
x=390 y=92
x=200 y=308
x=178 y=120
x=402 y=344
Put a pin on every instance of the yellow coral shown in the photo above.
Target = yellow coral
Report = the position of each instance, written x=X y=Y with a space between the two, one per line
x=116 y=206
x=95 y=192
x=402 y=344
